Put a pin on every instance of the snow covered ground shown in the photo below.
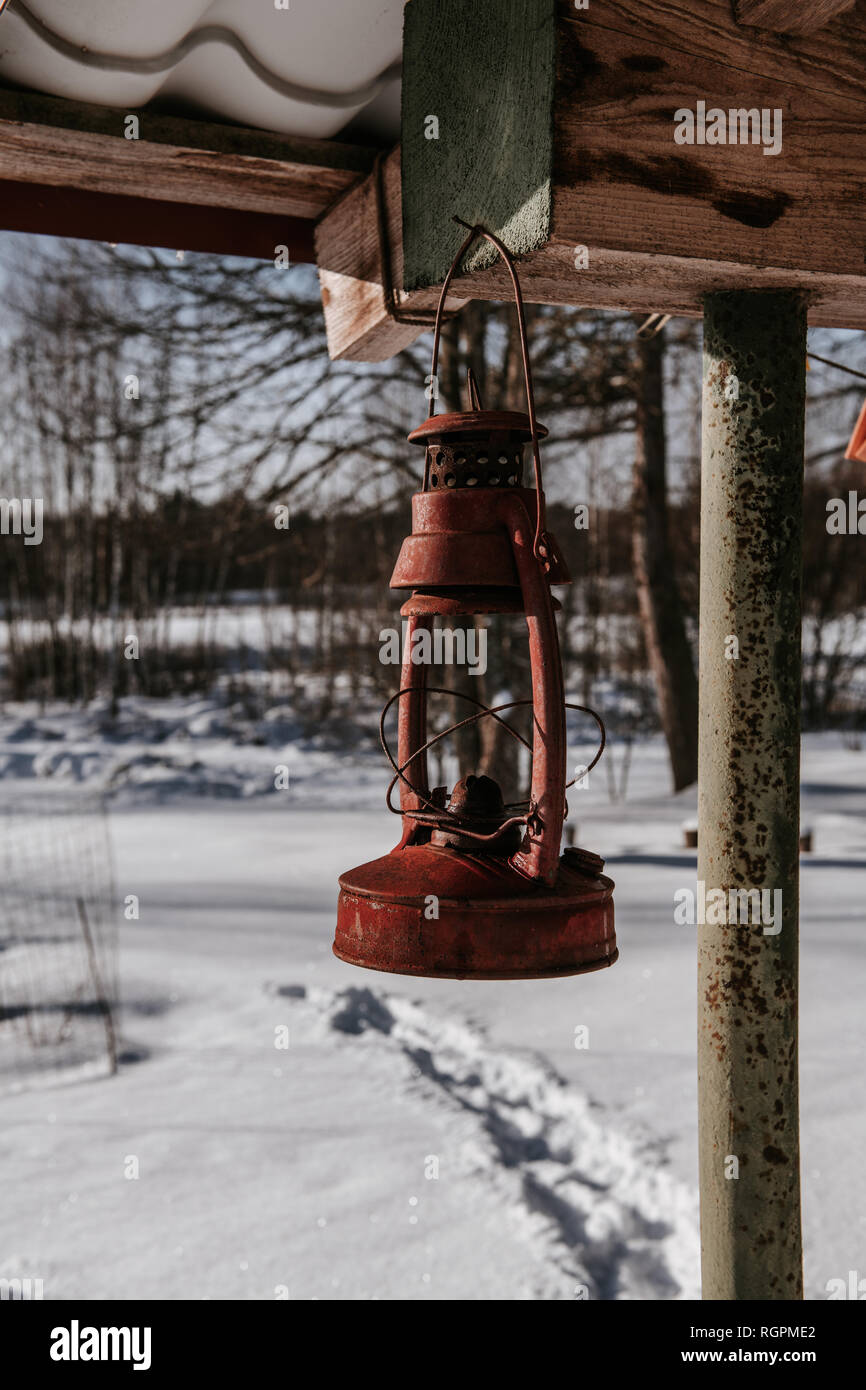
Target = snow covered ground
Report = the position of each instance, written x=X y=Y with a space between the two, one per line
x=416 y=1139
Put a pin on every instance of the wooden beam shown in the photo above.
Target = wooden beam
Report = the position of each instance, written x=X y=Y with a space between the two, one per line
x=790 y=16
x=33 y=207
x=349 y=254
x=638 y=220
x=361 y=329
x=624 y=181
x=60 y=144
x=494 y=146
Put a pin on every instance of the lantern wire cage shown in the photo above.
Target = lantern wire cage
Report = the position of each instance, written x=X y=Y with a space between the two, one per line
x=435 y=815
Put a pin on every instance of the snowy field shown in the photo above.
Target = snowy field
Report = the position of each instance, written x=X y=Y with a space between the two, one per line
x=417 y=1139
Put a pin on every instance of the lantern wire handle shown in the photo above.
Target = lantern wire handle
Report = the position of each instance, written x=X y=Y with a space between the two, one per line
x=540 y=547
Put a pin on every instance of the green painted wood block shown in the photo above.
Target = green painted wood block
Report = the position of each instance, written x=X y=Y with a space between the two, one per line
x=477 y=129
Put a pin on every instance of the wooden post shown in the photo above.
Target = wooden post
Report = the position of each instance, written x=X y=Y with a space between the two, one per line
x=748 y=797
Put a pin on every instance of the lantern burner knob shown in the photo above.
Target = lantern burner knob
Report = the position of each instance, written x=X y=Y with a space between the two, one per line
x=476 y=805
x=477 y=796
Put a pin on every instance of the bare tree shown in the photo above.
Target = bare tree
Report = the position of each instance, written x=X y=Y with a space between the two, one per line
x=658 y=593
x=164 y=495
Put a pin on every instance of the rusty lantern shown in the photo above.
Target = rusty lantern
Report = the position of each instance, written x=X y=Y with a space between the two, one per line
x=477 y=889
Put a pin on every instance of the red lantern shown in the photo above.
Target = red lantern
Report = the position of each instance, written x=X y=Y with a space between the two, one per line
x=475 y=889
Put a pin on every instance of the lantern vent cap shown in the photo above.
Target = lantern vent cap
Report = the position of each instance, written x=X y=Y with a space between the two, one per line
x=481 y=422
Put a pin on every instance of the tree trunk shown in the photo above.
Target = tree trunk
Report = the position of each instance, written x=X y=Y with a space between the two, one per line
x=661 y=609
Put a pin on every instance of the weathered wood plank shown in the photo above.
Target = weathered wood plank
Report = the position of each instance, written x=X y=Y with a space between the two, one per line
x=790 y=16
x=623 y=181
x=39 y=108
x=620 y=280
x=45 y=140
x=477 y=122
x=831 y=59
x=349 y=257
x=360 y=328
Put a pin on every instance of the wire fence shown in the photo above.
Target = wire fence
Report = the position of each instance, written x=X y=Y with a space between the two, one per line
x=58 y=935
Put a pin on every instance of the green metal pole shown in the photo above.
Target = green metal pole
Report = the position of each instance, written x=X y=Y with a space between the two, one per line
x=748 y=793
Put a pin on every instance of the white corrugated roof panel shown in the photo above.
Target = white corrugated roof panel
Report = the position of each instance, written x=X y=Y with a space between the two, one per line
x=308 y=70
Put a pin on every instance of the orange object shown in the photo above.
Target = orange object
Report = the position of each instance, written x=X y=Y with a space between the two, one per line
x=856 y=450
